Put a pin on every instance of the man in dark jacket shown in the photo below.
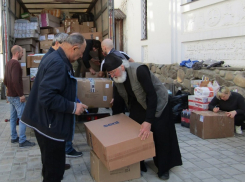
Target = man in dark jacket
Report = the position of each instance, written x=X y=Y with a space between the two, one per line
x=148 y=104
x=52 y=104
x=15 y=96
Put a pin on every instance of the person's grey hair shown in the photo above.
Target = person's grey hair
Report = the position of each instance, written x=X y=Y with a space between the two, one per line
x=59 y=37
x=125 y=63
x=75 y=39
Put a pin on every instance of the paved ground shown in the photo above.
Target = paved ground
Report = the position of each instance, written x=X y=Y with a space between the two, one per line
x=204 y=160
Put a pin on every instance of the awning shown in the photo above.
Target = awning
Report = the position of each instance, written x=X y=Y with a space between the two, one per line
x=118 y=14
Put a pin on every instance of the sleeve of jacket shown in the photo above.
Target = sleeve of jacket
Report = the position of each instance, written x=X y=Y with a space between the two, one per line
x=16 y=79
x=86 y=56
x=144 y=77
x=51 y=87
x=214 y=102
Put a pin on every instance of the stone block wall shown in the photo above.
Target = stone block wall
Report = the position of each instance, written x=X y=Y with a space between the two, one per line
x=234 y=78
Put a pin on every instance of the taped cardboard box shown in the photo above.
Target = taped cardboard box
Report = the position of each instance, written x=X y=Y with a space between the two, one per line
x=27 y=41
x=23 y=59
x=89 y=23
x=58 y=30
x=29 y=48
x=95 y=92
x=46 y=31
x=48 y=20
x=115 y=141
x=101 y=174
x=34 y=60
x=210 y=125
x=45 y=44
x=26 y=84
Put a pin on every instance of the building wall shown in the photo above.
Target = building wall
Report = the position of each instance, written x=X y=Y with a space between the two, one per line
x=157 y=48
x=178 y=30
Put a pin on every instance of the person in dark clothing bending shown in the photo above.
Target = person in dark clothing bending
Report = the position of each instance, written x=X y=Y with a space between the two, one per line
x=92 y=63
x=147 y=101
x=232 y=102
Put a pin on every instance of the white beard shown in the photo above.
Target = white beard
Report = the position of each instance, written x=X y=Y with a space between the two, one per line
x=122 y=78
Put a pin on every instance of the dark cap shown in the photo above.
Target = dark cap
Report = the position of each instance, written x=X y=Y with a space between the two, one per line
x=112 y=62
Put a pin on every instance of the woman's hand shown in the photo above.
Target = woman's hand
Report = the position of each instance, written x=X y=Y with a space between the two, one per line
x=216 y=109
x=231 y=114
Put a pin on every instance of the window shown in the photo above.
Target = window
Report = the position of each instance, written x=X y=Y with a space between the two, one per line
x=143 y=19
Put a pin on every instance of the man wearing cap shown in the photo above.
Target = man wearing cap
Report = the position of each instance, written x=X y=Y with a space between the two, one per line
x=147 y=101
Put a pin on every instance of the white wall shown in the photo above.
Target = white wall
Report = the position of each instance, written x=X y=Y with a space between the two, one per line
x=157 y=48
x=177 y=30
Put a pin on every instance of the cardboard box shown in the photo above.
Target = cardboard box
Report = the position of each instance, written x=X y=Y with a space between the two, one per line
x=59 y=30
x=46 y=31
x=89 y=75
x=115 y=141
x=23 y=68
x=210 y=125
x=96 y=35
x=43 y=37
x=26 y=84
x=27 y=41
x=34 y=60
x=45 y=44
x=95 y=92
x=33 y=73
x=101 y=174
x=197 y=106
x=199 y=99
x=23 y=59
x=92 y=29
x=89 y=23
x=84 y=29
x=29 y=47
x=48 y=20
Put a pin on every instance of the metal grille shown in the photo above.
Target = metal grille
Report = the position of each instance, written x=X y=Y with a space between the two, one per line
x=144 y=19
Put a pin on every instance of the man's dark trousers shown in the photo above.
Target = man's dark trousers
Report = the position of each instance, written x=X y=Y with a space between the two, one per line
x=53 y=158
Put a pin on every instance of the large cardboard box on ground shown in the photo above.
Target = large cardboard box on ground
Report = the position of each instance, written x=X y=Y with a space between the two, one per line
x=34 y=60
x=26 y=84
x=210 y=125
x=95 y=35
x=115 y=141
x=101 y=174
x=95 y=92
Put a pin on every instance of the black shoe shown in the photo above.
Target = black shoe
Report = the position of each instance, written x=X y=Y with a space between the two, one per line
x=74 y=153
x=26 y=144
x=142 y=166
x=67 y=166
x=15 y=140
x=165 y=176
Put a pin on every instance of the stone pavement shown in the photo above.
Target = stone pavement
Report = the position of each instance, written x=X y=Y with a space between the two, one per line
x=210 y=160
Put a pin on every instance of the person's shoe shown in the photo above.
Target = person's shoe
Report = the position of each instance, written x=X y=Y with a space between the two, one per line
x=143 y=167
x=74 y=153
x=15 y=140
x=238 y=130
x=67 y=166
x=26 y=144
x=165 y=176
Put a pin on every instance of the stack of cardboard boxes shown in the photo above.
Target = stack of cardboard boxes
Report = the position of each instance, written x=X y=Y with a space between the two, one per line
x=116 y=148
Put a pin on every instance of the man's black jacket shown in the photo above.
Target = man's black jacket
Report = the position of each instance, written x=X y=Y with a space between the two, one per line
x=53 y=98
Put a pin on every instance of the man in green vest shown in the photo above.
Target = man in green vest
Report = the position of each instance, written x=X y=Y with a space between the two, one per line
x=148 y=104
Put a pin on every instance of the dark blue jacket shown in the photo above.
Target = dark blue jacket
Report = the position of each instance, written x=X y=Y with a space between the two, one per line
x=51 y=49
x=52 y=99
